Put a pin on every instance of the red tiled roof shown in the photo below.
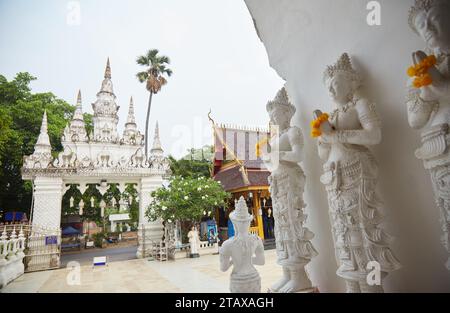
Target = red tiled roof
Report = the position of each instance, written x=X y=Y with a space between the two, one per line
x=231 y=178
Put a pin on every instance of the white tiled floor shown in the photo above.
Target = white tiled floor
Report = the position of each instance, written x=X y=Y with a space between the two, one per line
x=183 y=275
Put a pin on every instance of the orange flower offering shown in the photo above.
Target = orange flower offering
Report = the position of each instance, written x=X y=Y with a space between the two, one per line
x=420 y=72
x=315 y=125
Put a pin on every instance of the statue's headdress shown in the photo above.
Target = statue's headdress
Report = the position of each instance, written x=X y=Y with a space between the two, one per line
x=344 y=65
x=419 y=6
x=240 y=213
x=281 y=100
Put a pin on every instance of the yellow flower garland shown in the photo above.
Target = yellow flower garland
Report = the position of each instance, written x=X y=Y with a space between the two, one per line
x=315 y=125
x=420 y=72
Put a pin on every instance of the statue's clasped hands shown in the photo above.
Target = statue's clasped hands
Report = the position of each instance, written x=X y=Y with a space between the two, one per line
x=438 y=85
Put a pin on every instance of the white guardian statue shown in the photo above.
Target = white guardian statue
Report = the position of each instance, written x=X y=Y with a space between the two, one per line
x=287 y=182
x=350 y=177
x=428 y=100
x=243 y=251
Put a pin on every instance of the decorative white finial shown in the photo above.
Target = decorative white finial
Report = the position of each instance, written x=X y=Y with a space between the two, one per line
x=130 y=118
x=156 y=148
x=78 y=114
x=4 y=234
x=79 y=98
x=108 y=70
x=156 y=130
x=43 y=139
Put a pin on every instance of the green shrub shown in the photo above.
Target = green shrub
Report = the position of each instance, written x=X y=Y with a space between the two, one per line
x=98 y=239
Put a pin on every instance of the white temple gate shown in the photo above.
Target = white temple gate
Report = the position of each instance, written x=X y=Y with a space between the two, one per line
x=100 y=158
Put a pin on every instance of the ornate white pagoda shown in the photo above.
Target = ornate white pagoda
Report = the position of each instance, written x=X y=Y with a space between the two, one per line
x=100 y=158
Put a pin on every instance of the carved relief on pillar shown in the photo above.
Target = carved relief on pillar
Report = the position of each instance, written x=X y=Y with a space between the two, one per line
x=148 y=232
x=48 y=194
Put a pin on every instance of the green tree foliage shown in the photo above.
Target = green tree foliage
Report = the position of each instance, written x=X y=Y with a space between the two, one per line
x=197 y=163
x=93 y=213
x=186 y=199
x=21 y=114
x=190 y=168
x=203 y=154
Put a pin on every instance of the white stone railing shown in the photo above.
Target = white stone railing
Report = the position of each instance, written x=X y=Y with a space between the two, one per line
x=11 y=256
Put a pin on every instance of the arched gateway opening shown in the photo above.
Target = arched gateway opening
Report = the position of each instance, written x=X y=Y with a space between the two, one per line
x=94 y=172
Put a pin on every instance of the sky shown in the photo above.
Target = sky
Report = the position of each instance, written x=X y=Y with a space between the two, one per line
x=217 y=59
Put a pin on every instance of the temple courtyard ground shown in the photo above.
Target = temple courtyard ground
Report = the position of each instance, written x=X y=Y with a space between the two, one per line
x=199 y=275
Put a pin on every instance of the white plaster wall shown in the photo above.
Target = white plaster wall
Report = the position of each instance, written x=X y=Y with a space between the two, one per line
x=302 y=37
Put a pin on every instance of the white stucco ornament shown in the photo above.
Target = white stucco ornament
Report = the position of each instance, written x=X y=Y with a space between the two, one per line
x=350 y=178
x=287 y=182
x=42 y=155
x=243 y=251
x=429 y=106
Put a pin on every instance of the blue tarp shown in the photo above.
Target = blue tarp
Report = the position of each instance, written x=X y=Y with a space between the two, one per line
x=69 y=231
x=13 y=216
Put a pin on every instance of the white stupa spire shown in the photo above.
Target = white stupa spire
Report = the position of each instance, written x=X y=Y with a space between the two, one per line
x=105 y=108
x=42 y=155
x=131 y=134
x=76 y=131
x=156 y=148
x=130 y=118
x=43 y=141
x=108 y=69
x=78 y=114
x=107 y=83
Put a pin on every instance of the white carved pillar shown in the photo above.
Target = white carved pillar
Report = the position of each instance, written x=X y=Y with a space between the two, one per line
x=48 y=192
x=148 y=232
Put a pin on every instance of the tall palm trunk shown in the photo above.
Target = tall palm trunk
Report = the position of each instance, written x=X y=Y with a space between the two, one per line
x=146 y=122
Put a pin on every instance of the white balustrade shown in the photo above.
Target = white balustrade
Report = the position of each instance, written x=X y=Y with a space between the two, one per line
x=11 y=256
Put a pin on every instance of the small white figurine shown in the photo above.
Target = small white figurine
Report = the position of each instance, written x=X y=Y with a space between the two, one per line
x=194 y=242
x=243 y=250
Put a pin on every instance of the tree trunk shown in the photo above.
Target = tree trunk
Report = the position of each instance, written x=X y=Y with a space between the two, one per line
x=147 y=121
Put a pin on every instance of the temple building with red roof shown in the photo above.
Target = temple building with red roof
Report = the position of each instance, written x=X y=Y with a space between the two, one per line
x=242 y=173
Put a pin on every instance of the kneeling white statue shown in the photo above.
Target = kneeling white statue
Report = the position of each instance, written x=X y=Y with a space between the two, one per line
x=243 y=251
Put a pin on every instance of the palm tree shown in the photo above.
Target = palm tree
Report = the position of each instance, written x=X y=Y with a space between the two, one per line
x=154 y=76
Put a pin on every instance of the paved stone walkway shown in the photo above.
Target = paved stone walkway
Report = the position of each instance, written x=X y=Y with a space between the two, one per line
x=114 y=254
x=199 y=275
